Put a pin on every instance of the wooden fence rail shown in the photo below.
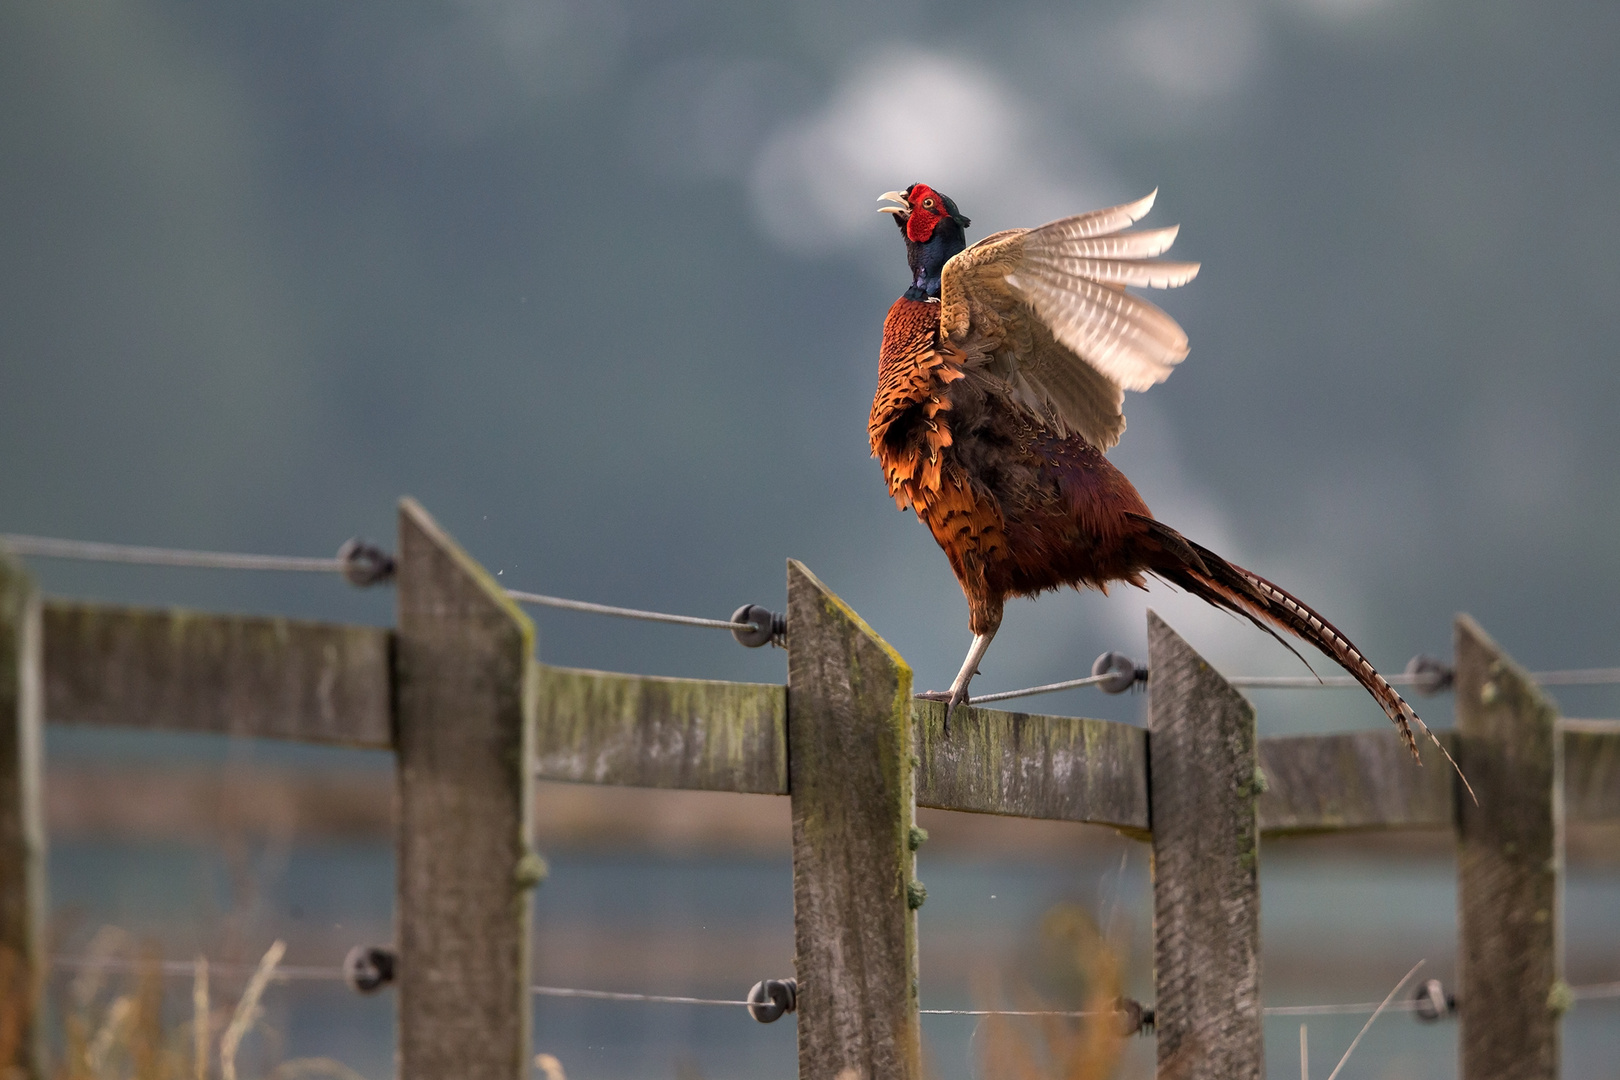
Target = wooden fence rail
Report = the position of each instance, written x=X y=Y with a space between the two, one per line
x=474 y=719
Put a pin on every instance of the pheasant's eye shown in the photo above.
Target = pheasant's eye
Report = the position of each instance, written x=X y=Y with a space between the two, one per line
x=928 y=204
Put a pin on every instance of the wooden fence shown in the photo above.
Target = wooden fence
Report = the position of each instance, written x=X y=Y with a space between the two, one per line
x=473 y=719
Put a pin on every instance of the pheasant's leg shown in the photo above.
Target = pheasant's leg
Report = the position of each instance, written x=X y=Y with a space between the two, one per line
x=958 y=693
x=984 y=619
x=970 y=668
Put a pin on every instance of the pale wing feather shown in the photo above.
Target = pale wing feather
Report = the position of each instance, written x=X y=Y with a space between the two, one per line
x=1127 y=339
x=1101 y=222
x=1143 y=244
x=1088 y=339
x=1143 y=273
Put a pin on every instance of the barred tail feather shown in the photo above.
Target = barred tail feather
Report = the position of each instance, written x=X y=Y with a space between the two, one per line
x=1226 y=585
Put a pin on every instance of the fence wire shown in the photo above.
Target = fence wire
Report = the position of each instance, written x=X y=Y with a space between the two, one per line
x=293 y=973
x=92 y=551
x=345 y=563
x=625 y=613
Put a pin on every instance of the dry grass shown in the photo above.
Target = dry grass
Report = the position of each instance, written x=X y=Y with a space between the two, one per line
x=15 y=999
x=1072 y=967
x=113 y=1026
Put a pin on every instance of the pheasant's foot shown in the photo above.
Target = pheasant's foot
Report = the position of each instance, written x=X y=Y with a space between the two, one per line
x=951 y=698
x=957 y=695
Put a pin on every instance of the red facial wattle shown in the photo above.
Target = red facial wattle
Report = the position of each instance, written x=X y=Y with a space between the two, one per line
x=927 y=209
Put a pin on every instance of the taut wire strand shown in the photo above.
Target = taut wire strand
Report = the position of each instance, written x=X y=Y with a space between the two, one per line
x=292 y=973
x=1049 y=688
x=615 y=995
x=1577 y=677
x=623 y=612
x=358 y=569
x=93 y=551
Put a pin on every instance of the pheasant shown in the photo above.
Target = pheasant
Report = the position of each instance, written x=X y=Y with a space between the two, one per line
x=1000 y=385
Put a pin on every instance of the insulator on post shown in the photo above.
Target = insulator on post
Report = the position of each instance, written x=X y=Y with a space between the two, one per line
x=1121 y=670
x=766 y=626
x=1432 y=1002
x=365 y=563
x=770 y=999
x=369 y=968
x=1429 y=674
x=1135 y=1018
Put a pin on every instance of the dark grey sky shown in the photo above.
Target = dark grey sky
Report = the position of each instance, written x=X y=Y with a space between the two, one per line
x=602 y=285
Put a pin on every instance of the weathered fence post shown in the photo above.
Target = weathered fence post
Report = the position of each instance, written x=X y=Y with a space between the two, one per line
x=22 y=828
x=1510 y=858
x=854 y=895
x=464 y=708
x=1204 y=784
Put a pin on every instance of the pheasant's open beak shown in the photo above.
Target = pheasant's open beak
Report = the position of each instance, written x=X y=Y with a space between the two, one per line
x=894 y=196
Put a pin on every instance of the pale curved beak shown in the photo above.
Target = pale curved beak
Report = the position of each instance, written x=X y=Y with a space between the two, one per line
x=894 y=196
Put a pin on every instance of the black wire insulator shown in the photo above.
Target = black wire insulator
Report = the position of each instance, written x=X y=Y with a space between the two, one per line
x=766 y=627
x=369 y=968
x=1122 y=672
x=771 y=999
x=1135 y=1018
x=1130 y=1015
x=1429 y=675
x=364 y=563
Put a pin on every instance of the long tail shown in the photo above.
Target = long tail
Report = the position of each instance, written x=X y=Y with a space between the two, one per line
x=1206 y=575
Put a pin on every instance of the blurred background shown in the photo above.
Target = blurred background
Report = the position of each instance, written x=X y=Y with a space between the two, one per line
x=601 y=283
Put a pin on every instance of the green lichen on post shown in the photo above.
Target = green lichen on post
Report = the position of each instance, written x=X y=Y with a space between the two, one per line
x=607 y=728
x=1054 y=767
x=239 y=674
x=851 y=764
x=474 y=571
x=531 y=870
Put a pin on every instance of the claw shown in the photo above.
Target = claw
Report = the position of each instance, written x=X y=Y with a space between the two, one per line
x=951 y=699
x=957 y=695
x=957 y=700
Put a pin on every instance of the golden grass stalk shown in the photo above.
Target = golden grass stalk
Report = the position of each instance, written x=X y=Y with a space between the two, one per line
x=247 y=1010
x=112 y=1033
x=201 y=1019
x=146 y=1021
x=1334 y=1075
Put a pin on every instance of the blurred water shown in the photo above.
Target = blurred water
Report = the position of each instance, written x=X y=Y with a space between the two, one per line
x=710 y=926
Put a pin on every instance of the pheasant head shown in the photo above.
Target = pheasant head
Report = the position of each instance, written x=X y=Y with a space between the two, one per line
x=933 y=228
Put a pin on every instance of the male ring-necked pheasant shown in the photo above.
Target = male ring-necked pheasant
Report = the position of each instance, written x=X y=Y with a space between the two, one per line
x=1000 y=385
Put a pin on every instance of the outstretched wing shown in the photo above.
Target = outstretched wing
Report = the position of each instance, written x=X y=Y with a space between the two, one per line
x=1045 y=312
